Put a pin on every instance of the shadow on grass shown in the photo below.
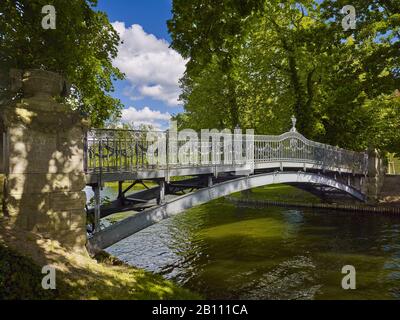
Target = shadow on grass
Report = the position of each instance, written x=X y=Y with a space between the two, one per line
x=104 y=279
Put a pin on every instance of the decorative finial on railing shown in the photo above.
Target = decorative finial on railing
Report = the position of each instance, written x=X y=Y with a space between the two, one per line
x=294 y=121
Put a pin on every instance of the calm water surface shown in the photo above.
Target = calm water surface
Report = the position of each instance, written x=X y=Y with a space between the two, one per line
x=226 y=252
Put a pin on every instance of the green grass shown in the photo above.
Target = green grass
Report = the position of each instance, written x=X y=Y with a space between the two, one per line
x=126 y=184
x=21 y=278
x=120 y=216
x=104 y=279
x=280 y=192
x=149 y=184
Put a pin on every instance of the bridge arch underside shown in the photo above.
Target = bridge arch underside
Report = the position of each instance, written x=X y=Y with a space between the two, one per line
x=148 y=217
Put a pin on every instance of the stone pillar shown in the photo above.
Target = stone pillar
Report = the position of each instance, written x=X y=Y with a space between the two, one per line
x=376 y=175
x=44 y=172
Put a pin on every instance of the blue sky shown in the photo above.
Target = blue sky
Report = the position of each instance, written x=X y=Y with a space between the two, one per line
x=150 y=90
x=152 y=15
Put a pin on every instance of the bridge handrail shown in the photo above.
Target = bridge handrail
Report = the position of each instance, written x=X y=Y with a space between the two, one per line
x=125 y=150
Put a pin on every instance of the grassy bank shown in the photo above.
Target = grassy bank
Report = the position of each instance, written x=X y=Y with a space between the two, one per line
x=279 y=192
x=79 y=277
x=104 y=278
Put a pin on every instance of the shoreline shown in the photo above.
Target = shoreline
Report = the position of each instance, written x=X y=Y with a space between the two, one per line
x=79 y=277
x=389 y=210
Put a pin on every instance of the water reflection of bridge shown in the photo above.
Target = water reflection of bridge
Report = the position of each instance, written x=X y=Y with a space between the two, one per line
x=211 y=170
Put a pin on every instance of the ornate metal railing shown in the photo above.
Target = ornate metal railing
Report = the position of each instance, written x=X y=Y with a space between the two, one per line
x=128 y=151
x=293 y=146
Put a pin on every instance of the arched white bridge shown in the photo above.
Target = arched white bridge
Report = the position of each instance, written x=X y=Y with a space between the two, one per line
x=210 y=171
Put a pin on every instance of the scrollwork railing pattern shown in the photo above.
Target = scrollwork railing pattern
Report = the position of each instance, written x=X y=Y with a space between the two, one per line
x=292 y=147
x=127 y=151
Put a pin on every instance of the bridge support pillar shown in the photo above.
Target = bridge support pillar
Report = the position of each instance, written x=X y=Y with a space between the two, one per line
x=120 y=191
x=161 y=196
x=210 y=181
x=376 y=175
x=44 y=171
x=356 y=182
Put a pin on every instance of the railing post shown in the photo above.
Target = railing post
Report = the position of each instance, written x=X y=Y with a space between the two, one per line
x=108 y=152
x=120 y=189
x=85 y=152
x=137 y=151
x=161 y=196
x=209 y=181
x=167 y=155
x=100 y=160
x=97 y=204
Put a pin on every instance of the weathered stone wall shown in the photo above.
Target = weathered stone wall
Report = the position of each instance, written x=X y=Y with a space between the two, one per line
x=376 y=175
x=390 y=192
x=44 y=178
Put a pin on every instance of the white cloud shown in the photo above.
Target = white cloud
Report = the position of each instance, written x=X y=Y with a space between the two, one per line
x=145 y=116
x=152 y=68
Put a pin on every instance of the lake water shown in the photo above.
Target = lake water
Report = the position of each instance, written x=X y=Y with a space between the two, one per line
x=225 y=252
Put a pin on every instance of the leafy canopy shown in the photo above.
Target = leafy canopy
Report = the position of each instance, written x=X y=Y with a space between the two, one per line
x=254 y=63
x=81 y=48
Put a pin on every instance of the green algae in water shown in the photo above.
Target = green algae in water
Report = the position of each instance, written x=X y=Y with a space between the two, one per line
x=260 y=228
x=225 y=252
x=277 y=253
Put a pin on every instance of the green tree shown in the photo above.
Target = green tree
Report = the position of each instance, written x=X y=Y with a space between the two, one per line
x=293 y=57
x=365 y=69
x=81 y=48
x=208 y=32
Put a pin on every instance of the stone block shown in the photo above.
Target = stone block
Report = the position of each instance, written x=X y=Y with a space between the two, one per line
x=52 y=222
x=39 y=182
x=72 y=137
x=27 y=204
x=66 y=163
x=76 y=238
x=67 y=200
x=78 y=219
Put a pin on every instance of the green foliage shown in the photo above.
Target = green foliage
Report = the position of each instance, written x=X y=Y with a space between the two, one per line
x=292 y=58
x=384 y=127
x=203 y=28
x=208 y=32
x=104 y=201
x=81 y=48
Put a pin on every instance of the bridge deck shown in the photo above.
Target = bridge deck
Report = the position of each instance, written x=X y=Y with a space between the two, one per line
x=116 y=155
x=119 y=174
